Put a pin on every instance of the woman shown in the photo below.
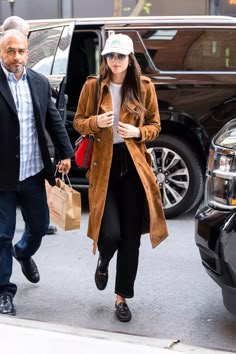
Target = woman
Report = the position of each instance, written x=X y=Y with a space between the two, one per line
x=121 y=179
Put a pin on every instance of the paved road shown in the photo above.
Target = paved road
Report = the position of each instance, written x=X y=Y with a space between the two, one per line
x=174 y=297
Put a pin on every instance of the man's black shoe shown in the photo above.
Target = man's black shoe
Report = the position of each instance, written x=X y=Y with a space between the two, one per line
x=6 y=305
x=51 y=230
x=123 y=312
x=29 y=269
x=101 y=277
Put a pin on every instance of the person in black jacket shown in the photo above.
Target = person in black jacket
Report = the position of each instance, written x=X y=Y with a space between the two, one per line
x=18 y=23
x=27 y=112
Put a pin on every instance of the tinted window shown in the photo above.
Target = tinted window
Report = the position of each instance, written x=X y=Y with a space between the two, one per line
x=42 y=48
x=191 y=49
x=61 y=58
x=83 y=61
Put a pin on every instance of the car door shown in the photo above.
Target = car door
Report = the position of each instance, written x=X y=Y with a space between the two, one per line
x=49 y=47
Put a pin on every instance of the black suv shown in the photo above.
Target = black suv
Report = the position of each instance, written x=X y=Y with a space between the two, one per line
x=191 y=61
x=215 y=233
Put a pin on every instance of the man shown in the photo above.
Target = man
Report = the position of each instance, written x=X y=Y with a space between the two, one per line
x=27 y=111
x=16 y=22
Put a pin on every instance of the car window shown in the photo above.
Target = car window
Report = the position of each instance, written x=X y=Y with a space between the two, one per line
x=191 y=49
x=61 y=57
x=42 y=48
x=84 y=60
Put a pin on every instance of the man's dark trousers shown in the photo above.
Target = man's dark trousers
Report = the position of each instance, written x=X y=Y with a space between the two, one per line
x=32 y=200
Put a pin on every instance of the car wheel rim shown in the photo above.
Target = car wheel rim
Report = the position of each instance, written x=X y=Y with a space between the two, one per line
x=172 y=175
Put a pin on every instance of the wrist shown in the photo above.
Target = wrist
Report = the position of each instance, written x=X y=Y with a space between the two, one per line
x=138 y=133
x=97 y=122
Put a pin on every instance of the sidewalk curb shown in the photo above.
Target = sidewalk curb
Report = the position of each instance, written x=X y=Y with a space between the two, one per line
x=45 y=336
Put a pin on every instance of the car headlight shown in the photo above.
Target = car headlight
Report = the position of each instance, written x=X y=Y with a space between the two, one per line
x=226 y=138
x=224 y=163
x=221 y=169
x=221 y=182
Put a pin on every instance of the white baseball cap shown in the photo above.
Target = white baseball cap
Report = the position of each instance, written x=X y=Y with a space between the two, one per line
x=118 y=43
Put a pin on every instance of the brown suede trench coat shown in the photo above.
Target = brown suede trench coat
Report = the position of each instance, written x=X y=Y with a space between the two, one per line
x=85 y=122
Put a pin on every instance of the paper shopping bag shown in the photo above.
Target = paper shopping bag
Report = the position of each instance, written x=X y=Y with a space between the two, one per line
x=64 y=205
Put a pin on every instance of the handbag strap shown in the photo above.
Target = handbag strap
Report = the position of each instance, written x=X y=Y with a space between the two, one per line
x=96 y=95
x=94 y=110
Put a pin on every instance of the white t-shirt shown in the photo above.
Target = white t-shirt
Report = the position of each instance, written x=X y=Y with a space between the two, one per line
x=116 y=102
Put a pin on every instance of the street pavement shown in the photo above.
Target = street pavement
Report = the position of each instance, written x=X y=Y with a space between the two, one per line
x=176 y=305
x=27 y=337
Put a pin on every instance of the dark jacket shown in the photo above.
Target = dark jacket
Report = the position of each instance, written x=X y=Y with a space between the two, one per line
x=47 y=118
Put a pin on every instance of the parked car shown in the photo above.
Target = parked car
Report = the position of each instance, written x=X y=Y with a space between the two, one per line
x=191 y=61
x=215 y=233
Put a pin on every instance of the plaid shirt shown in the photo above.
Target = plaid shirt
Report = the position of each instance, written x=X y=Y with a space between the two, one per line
x=30 y=156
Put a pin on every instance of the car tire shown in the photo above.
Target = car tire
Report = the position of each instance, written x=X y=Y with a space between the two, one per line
x=179 y=174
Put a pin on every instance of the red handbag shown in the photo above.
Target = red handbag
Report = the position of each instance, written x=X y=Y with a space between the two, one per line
x=83 y=151
x=84 y=144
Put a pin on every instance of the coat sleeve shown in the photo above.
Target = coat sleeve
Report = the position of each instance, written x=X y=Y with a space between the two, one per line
x=151 y=128
x=85 y=121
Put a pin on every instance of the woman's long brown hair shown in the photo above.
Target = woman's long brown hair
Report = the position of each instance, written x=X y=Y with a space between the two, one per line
x=131 y=87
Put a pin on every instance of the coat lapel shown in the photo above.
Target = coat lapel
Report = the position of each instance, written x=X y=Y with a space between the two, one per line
x=6 y=92
x=35 y=90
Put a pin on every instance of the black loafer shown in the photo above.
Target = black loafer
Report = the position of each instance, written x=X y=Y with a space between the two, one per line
x=6 y=305
x=29 y=269
x=101 y=278
x=123 y=312
x=52 y=230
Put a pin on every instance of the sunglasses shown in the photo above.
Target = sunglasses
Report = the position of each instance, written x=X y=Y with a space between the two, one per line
x=118 y=56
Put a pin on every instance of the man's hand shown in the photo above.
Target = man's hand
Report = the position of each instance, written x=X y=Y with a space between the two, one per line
x=64 y=166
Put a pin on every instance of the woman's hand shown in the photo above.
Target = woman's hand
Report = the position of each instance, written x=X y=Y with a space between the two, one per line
x=128 y=131
x=105 y=120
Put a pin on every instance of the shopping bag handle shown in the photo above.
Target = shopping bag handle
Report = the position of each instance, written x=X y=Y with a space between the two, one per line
x=63 y=177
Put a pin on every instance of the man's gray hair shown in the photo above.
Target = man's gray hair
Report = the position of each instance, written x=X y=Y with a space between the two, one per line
x=16 y=22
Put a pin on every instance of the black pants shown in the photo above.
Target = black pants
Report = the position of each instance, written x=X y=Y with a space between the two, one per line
x=122 y=221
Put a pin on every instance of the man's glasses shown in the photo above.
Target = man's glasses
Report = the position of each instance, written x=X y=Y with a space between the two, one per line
x=118 y=56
